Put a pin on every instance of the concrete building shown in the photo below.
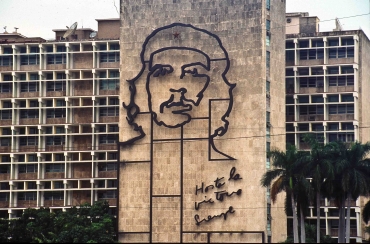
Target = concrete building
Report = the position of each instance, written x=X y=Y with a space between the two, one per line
x=59 y=119
x=327 y=93
x=181 y=148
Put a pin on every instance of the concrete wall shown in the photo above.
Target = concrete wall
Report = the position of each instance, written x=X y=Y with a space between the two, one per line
x=157 y=182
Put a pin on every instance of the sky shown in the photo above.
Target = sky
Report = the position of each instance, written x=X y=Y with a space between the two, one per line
x=37 y=18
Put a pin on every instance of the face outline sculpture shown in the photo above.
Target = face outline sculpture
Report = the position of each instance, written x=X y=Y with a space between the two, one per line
x=201 y=67
x=182 y=83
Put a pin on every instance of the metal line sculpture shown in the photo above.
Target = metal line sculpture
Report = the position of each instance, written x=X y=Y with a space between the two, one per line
x=179 y=104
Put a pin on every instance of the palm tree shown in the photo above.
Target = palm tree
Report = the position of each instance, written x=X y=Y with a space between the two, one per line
x=283 y=178
x=353 y=168
x=319 y=167
x=366 y=212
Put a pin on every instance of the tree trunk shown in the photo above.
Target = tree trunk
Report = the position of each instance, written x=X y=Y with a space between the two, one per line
x=295 y=219
x=348 y=218
x=318 y=195
x=303 y=230
x=341 y=230
x=340 y=225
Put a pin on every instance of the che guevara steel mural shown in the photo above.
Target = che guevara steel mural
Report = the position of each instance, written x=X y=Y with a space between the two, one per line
x=177 y=72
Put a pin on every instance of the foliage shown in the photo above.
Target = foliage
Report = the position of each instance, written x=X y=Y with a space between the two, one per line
x=84 y=224
x=311 y=236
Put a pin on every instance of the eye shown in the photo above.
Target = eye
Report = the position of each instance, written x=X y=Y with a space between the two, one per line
x=193 y=72
x=162 y=70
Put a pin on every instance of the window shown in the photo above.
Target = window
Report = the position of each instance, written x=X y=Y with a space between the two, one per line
x=317 y=71
x=268 y=25
x=29 y=113
x=112 y=156
x=268 y=39
x=109 y=57
x=289 y=128
x=54 y=168
x=289 y=72
x=56 y=86
x=317 y=127
x=333 y=126
x=333 y=42
x=59 y=157
x=341 y=52
x=341 y=109
x=347 y=70
x=289 y=45
x=303 y=127
x=317 y=99
x=303 y=71
x=347 y=98
x=58 y=184
x=268 y=59
x=27 y=168
x=267 y=86
x=344 y=80
x=29 y=87
x=107 y=139
x=107 y=195
x=348 y=42
x=55 y=140
x=56 y=59
x=31 y=185
x=311 y=54
x=347 y=126
x=344 y=137
x=5 y=114
x=333 y=98
x=6 y=60
x=107 y=166
x=268 y=132
x=4 y=169
x=317 y=43
x=268 y=146
x=60 y=103
x=27 y=196
x=113 y=101
x=28 y=141
x=56 y=113
x=303 y=99
x=61 y=49
x=114 y=46
x=32 y=158
x=60 y=130
x=303 y=44
x=113 y=128
x=5 y=159
x=268 y=4
x=289 y=55
x=268 y=117
x=34 y=103
x=54 y=195
x=289 y=100
x=33 y=59
x=4 y=197
x=48 y=130
x=6 y=131
x=311 y=109
x=5 y=87
x=333 y=70
x=109 y=84
x=109 y=111
x=5 y=141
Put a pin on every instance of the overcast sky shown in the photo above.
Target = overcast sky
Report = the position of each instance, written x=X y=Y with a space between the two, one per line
x=38 y=17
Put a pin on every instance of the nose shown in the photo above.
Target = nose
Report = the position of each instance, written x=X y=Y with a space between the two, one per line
x=178 y=94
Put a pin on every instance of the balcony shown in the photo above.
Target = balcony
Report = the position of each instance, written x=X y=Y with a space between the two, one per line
x=53 y=203
x=334 y=232
x=311 y=117
x=336 y=117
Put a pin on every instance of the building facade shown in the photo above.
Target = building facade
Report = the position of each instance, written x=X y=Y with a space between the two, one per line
x=327 y=93
x=59 y=119
x=202 y=92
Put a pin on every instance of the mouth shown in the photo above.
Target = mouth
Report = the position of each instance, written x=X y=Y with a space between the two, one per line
x=179 y=109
